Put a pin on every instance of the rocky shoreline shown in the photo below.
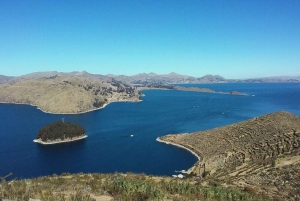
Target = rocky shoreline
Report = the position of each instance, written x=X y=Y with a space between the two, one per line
x=192 y=89
x=60 y=141
x=259 y=154
x=66 y=94
x=183 y=147
x=48 y=112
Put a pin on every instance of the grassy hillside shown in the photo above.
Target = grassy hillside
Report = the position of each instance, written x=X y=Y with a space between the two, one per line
x=262 y=154
x=66 y=94
x=91 y=187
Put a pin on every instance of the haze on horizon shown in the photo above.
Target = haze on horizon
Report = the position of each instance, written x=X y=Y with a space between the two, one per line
x=235 y=39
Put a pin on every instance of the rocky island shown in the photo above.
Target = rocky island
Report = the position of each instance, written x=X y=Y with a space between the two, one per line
x=261 y=155
x=60 y=132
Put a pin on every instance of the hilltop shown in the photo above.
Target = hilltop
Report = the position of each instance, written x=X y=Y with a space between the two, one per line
x=261 y=154
x=66 y=94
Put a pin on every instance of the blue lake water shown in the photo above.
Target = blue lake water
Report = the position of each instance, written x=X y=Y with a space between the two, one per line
x=109 y=147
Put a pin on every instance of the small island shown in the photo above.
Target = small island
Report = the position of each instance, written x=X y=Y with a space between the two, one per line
x=60 y=132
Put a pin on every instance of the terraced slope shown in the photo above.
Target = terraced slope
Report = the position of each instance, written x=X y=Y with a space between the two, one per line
x=261 y=153
x=66 y=94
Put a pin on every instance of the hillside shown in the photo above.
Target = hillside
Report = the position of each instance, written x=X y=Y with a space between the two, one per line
x=109 y=187
x=66 y=94
x=262 y=154
x=4 y=78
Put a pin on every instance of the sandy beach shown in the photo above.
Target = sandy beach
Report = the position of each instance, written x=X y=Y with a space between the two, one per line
x=60 y=141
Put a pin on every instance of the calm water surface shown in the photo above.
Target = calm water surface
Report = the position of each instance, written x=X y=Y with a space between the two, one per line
x=109 y=147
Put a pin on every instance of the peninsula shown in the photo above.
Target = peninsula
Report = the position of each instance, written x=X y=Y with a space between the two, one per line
x=192 y=89
x=261 y=154
x=60 y=132
x=74 y=93
x=206 y=90
x=67 y=94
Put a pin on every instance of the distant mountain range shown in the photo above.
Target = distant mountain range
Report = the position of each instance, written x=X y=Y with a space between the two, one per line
x=152 y=78
x=171 y=78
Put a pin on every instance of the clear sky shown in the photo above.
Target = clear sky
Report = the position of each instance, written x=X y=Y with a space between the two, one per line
x=234 y=38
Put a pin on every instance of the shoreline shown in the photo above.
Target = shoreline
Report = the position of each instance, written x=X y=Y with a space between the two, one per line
x=60 y=141
x=236 y=93
x=103 y=106
x=116 y=101
x=150 y=88
x=183 y=147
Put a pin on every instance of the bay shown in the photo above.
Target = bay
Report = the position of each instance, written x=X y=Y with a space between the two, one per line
x=109 y=147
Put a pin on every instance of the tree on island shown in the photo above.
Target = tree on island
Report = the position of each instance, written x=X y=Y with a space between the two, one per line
x=60 y=130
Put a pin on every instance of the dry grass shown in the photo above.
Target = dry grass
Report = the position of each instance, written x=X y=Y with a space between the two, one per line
x=90 y=187
x=252 y=154
x=66 y=94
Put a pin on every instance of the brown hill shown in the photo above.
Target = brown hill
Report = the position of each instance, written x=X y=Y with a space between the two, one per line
x=261 y=154
x=66 y=94
x=4 y=78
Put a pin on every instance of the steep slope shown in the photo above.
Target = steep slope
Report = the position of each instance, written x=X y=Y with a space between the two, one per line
x=66 y=94
x=261 y=153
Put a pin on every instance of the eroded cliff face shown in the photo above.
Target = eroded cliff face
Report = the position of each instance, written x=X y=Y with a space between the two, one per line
x=66 y=94
x=262 y=153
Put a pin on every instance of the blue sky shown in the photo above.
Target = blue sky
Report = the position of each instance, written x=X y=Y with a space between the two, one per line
x=235 y=39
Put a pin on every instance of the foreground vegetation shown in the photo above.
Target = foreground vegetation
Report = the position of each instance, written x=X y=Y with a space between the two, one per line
x=90 y=187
